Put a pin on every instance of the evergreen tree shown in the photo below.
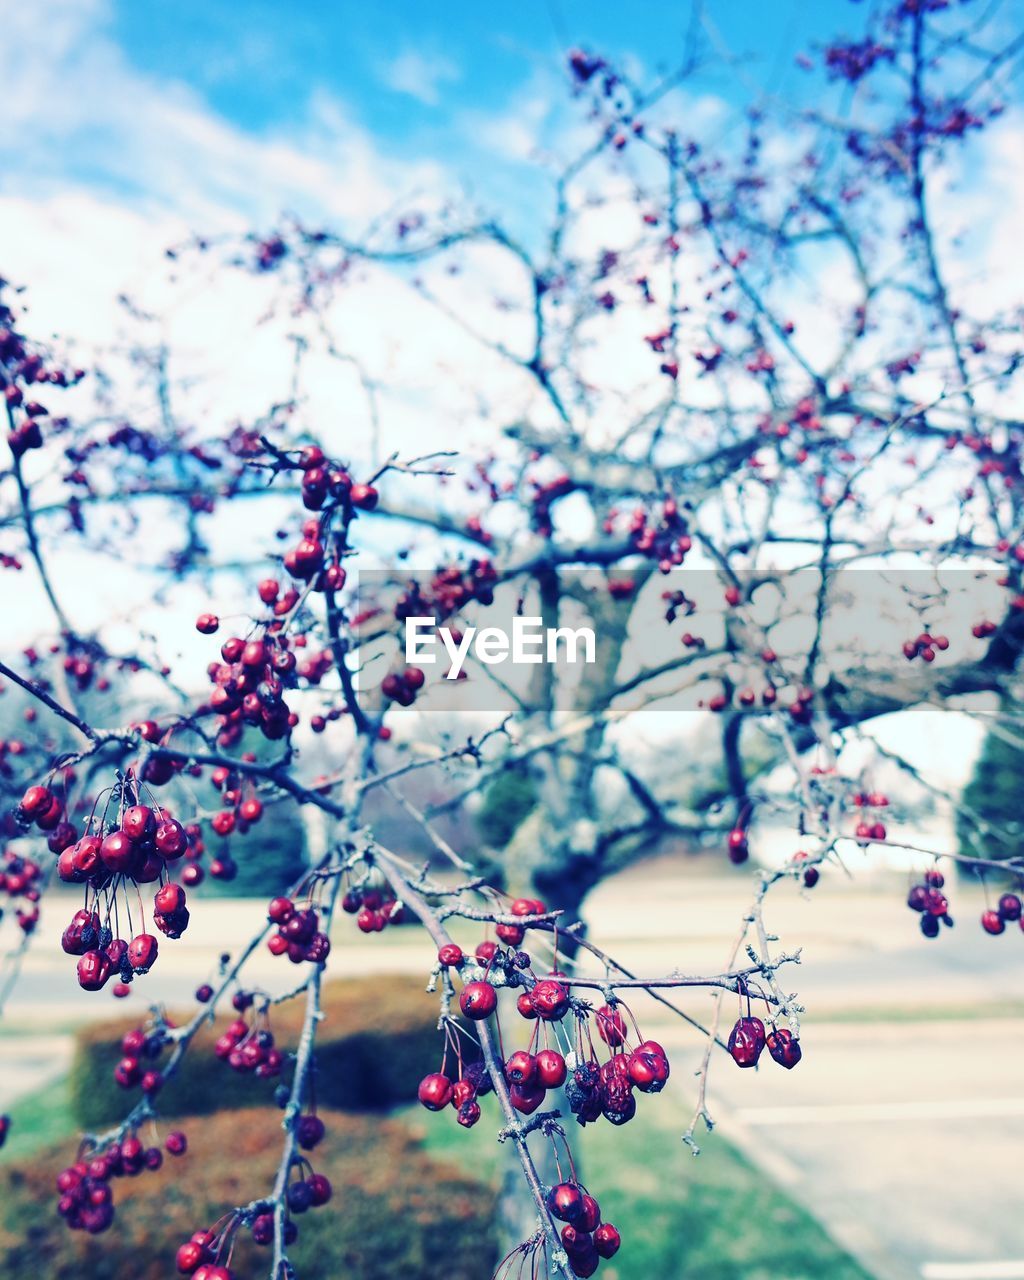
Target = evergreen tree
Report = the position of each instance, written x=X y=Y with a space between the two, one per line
x=991 y=823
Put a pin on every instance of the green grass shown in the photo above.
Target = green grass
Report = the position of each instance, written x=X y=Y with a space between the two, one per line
x=39 y=1120
x=710 y=1217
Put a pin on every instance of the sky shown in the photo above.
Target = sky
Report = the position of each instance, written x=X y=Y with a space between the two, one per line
x=130 y=123
x=206 y=111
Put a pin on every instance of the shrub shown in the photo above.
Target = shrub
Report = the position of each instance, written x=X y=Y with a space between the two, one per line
x=396 y=1212
x=378 y=1039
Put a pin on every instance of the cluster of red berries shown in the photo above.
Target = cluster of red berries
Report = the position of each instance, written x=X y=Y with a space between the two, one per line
x=800 y=710
x=596 y=1088
x=928 y=899
x=201 y=1256
x=437 y=1091
x=545 y=494
x=140 y=1050
x=585 y=1237
x=135 y=849
x=247 y=1046
x=748 y=1039
x=925 y=647
x=20 y=368
x=403 y=686
x=198 y=1258
x=26 y=435
x=324 y=480
x=42 y=807
x=86 y=1195
x=249 y=686
x=19 y=880
x=236 y=817
x=5 y=1128
x=664 y=537
x=593 y=1088
x=374 y=908
x=101 y=954
x=811 y=875
x=298 y=932
x=870 y=825
x=447 y=592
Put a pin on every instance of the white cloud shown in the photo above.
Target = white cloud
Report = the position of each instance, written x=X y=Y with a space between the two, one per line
x=418 y=76
x=154 y=144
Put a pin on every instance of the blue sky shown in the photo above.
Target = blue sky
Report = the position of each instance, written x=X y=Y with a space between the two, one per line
x=101 y=90
x=256 y=65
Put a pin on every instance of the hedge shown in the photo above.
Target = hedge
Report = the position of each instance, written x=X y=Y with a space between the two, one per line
x=378 y=1039
x=396 y=1212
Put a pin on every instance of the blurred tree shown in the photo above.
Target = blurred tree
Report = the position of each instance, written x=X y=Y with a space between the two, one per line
x=269 y=857
x=508 y=800
x=989 y=816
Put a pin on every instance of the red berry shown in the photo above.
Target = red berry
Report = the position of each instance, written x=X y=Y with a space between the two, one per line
x=607 y=1240
x=189 y=1257
x=526 y=1098
x=527 y=907
x=280 y=910
x=223 y=822
x=450 y=955
x=207 y=623
x=521 y=1068
x=478 y=1000
x=35 y=801
x=169 y=899
x=746 y=1040
x=992 y=922
x=550 y=1000
x=611 y=1026
x=784 y=1048
x=648 y=1070
x=138 y=822
x=142 y=951
x=364 y=496
x=320 y=1188
x=435 y=1091
x=590 y=1218
x=117 y=852
x=551 y=1069
x=565 y=1200
x=170 y=839
x=524 y=1003
x=94 y=970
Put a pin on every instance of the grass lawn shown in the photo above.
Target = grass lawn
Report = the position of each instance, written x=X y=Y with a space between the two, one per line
x=709 y=1217
x=39 y=1120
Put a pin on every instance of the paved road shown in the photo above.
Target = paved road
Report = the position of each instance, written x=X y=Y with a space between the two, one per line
x=28 y=1062
x=904 y=1140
